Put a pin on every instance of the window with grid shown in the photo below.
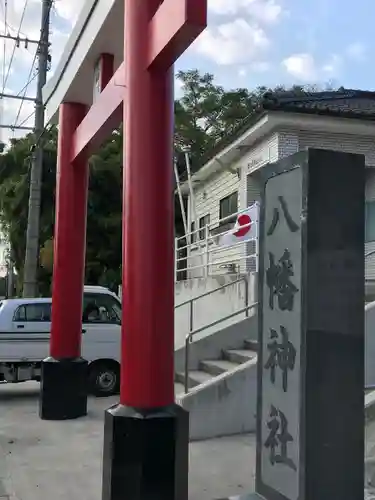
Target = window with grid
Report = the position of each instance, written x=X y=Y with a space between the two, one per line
x=193 y=235
x=203 y=222
x=369 y=221
x=229 y=206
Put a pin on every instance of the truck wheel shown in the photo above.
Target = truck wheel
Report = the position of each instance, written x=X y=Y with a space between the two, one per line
x=104 y=378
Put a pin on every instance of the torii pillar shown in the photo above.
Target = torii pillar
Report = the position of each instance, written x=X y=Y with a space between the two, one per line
x=146 y=434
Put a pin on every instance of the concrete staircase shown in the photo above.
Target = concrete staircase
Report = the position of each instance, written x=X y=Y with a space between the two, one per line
x=222 y=378
x=208 y=369
x=222 y=326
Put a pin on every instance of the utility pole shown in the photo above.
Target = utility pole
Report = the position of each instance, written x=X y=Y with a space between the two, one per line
x=30 y=279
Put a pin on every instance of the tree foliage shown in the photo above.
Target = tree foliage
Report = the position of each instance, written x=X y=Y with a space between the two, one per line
x=204 y=114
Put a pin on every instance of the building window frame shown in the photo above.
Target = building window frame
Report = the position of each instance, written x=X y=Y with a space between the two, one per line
x=203 y=222
x=370 y=221
x=193 y=234
x=228 y=206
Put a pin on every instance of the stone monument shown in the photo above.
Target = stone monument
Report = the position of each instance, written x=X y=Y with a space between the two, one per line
x=310 y=422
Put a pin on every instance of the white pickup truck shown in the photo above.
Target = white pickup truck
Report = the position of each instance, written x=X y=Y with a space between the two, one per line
x=25 y=327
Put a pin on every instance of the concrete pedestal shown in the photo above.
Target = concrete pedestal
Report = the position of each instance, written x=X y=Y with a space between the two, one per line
x=146 y=454
x=63 y=392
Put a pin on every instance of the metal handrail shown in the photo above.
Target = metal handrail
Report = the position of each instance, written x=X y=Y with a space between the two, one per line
x=189 y=336
x=202 y=246
x=242 y=278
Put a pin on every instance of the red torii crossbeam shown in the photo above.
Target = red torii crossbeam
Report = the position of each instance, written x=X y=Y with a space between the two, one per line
x=174 y=26
x=146 y=434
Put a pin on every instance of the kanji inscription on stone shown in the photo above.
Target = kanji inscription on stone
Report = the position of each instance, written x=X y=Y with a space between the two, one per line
x=281 y=355
x=278 y=439
x=281 y=333
x=279 y=281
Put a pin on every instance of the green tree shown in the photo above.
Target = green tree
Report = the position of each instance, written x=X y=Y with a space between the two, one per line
x=206 y=112
x=103 y=259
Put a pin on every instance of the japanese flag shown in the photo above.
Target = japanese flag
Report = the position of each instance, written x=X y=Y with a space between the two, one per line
x=245 y=228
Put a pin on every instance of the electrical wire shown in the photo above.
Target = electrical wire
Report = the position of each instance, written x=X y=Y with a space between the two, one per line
x=12 y=28
x=26 y=119
x=15 y=44
x=5 y=9
x=30 y=78
x=27 y=83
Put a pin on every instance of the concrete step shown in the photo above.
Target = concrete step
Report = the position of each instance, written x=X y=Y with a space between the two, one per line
x=251 y=345
x=238 y=355
x=217 y=366
x=196 y=377
x=178 y=389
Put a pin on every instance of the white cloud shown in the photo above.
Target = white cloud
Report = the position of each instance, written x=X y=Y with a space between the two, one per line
x=304 y=67
x=264 y=11
x=243 y=35
x=232 y=43
x=69 y=9
x=301 y=66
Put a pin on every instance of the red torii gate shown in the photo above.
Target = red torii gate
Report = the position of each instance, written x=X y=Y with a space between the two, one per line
x=146 y=435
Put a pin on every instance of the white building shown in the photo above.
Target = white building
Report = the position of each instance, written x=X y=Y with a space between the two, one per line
x=342 y=120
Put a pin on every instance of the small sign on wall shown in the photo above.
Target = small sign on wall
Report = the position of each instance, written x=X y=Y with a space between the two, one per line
x=258 y=161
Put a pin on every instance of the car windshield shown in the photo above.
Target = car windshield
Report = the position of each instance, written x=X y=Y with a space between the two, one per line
x=101 y=307
x=117 y=308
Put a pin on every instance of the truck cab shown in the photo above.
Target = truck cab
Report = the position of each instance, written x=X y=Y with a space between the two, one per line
x=25 y=329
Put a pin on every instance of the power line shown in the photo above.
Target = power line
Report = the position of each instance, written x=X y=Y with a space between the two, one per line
x=26 y=119
x=4 y=45
x=29 y=80
x=27 y=84
x=15 y=44
x=37 y=52
x=19 y=39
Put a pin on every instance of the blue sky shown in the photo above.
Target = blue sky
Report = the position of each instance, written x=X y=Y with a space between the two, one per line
x=247 y=43
x=309 y=41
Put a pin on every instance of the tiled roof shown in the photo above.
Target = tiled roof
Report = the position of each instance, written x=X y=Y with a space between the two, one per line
x=344 y=103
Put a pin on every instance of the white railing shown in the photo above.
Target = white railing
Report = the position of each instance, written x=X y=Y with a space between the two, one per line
x=200 y=253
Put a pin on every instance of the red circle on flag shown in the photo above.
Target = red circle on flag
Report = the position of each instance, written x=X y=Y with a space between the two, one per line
x=243 y=220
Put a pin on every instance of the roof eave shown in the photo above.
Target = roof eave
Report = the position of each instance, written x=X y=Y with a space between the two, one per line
x=225 y=158
x=271 y=120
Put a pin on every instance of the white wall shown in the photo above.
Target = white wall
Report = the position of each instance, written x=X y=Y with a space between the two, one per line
x=208 y=195
x=291 y=141
x=279 y=144
x=207 y=201
x=224 y=405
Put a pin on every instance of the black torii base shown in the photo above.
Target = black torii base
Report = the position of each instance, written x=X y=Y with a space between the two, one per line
x=146 y=453
x=63 y=389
